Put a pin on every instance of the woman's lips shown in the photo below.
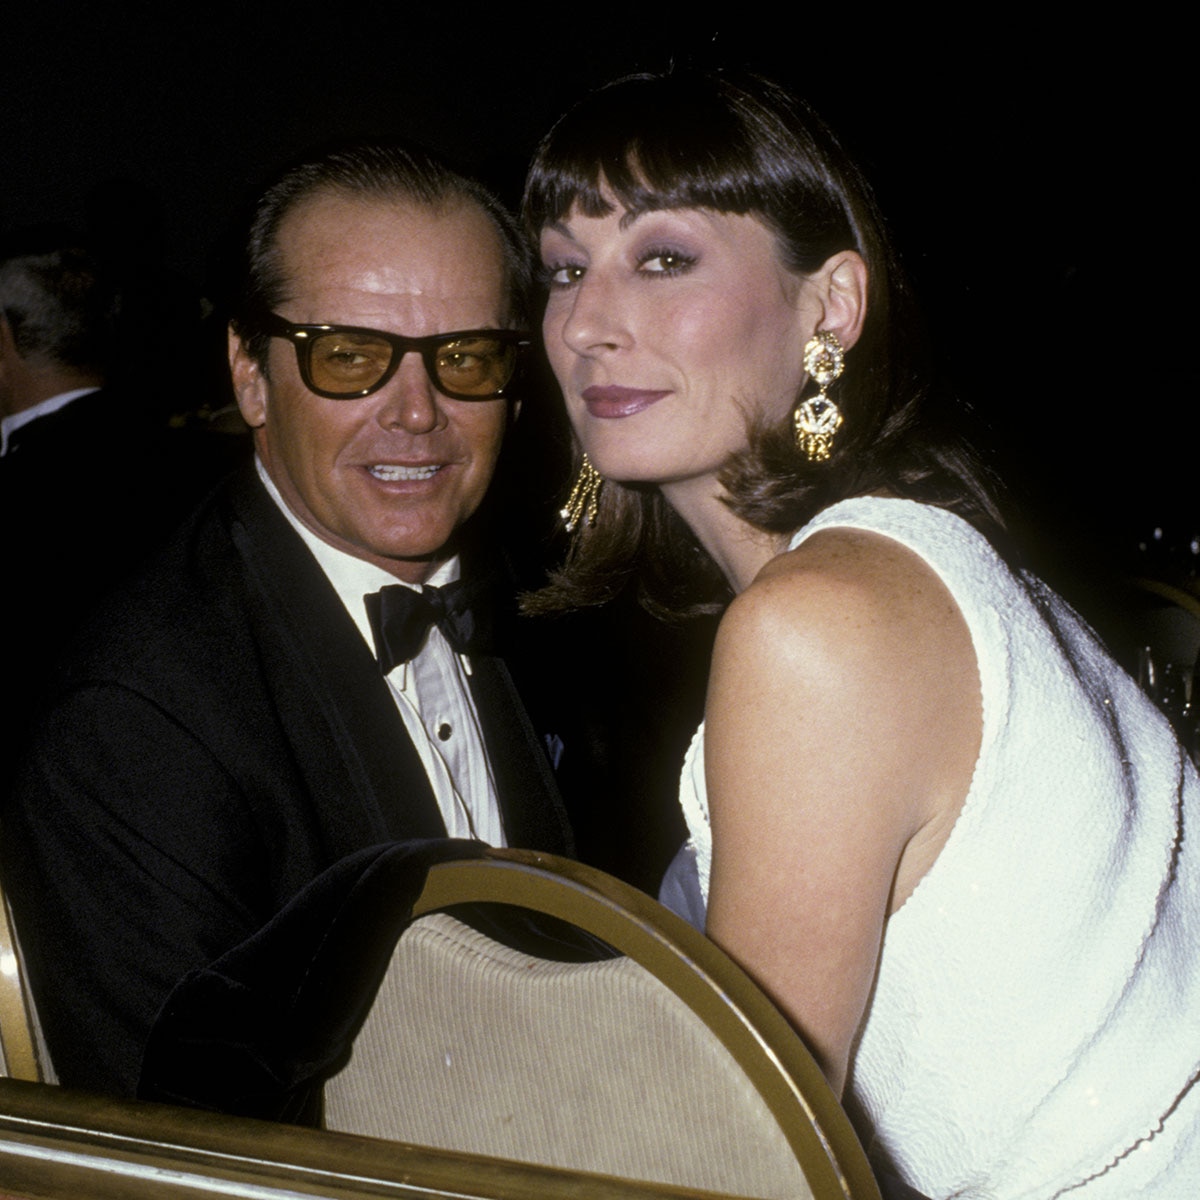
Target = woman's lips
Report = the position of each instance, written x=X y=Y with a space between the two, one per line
x=613 y=401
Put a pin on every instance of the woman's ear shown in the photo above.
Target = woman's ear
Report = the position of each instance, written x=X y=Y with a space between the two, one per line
x=249 y=383
x=843 y=283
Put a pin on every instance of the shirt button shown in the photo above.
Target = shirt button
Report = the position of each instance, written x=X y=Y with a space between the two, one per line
x=444 y=731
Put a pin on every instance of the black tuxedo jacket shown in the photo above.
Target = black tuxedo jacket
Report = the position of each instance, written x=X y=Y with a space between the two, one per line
x=87 y=493
x=258 y=1032
x=222 y=736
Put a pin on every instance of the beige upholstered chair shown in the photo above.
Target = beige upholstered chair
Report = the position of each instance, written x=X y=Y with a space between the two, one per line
x=667 y=1064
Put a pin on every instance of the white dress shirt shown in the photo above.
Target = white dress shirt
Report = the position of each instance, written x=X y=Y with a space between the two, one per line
x=431 y=692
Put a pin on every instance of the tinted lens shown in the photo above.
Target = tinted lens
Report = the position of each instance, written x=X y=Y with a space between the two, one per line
x=347 y=363
x=474 y=366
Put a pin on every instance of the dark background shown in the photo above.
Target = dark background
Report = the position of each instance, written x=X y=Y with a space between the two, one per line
x=1037 y=174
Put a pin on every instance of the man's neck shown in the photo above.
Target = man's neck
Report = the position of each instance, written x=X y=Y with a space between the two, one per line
x=35 y=387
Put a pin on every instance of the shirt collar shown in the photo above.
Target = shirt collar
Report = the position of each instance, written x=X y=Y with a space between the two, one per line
x=42 y=409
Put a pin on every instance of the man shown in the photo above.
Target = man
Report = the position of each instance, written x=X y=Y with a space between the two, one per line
x=228 y=733
x=78 y=460
x=55 y=322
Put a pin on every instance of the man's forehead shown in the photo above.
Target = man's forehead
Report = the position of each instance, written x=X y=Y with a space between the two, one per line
x=396 y=264
x=381 y=242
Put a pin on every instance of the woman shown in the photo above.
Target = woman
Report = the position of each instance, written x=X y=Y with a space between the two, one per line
x=946 y=830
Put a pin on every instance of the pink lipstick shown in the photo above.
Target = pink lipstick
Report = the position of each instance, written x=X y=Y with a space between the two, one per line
x=613 y=401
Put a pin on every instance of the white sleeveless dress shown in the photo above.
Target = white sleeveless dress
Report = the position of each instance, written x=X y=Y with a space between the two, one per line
x=1035 y=1026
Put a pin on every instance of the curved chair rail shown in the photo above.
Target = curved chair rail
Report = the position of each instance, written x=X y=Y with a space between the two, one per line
x=57 y=1144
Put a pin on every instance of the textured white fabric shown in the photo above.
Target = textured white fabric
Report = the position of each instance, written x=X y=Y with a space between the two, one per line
x=1035 y=1026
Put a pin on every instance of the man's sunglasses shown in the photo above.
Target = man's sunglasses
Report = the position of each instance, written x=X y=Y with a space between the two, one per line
x=346 y=362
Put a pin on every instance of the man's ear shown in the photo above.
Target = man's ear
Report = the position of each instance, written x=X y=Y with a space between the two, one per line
x=843 y=285
x=249 y=383
x=8 y=344
x=10 y=367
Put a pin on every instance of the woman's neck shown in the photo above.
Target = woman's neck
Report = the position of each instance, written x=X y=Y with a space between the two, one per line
x=739 y=549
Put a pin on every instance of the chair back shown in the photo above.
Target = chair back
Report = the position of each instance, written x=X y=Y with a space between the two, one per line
x=664 y=1064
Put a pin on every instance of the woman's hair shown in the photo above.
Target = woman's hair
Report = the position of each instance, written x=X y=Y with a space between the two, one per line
x=745 y=146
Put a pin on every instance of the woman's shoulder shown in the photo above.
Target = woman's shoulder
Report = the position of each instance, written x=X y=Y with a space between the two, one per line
x=886 y=565
x=857 y=624
x=843 y=584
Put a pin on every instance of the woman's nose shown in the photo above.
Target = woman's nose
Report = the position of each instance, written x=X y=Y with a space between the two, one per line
x=596 y=320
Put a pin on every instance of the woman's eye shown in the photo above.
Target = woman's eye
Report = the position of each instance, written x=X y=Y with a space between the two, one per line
x=563 y=275
x=666 y=262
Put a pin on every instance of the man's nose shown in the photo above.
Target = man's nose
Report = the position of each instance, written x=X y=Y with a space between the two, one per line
x=410 y=401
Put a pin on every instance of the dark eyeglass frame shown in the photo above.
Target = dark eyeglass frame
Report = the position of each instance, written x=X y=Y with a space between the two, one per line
x=302 y=339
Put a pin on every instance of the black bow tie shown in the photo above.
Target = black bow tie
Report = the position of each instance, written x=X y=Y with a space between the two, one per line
x=401 y=618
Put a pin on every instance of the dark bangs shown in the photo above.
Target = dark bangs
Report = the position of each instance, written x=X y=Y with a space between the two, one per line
x=693 y=141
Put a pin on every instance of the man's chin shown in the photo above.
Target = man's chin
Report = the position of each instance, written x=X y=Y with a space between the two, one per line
x=409 y=558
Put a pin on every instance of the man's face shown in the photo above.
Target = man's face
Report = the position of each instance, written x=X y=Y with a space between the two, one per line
x=390 y=477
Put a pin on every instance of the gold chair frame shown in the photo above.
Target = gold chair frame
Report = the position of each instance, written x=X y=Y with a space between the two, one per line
x=57 y=1144
x=18 y=1023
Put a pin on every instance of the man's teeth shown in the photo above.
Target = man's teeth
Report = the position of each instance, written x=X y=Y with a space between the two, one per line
x=393 y=474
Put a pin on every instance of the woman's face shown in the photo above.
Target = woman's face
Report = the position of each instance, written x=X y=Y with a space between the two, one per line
x=668 y=331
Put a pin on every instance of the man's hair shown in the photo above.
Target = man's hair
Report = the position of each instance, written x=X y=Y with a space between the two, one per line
x=381 y=172
x=59 y=309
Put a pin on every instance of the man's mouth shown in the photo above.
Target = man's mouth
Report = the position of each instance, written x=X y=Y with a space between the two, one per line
x=391 y=473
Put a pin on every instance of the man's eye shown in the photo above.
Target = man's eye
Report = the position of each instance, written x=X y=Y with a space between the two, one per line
x=476 y=357
x=459 y=360
x=349 y=356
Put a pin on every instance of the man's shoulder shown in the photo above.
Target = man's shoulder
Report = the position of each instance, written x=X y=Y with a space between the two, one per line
x=89 y=429
x=189 y=601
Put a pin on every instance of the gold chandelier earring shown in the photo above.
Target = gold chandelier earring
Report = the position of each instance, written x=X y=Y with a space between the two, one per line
x=817 y=419
x=584 y=501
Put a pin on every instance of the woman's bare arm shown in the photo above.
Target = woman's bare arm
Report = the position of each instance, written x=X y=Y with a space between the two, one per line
x=843 y=724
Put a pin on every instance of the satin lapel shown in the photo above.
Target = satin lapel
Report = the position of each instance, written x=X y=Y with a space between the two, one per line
x=533 y=811
x=336 y=707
